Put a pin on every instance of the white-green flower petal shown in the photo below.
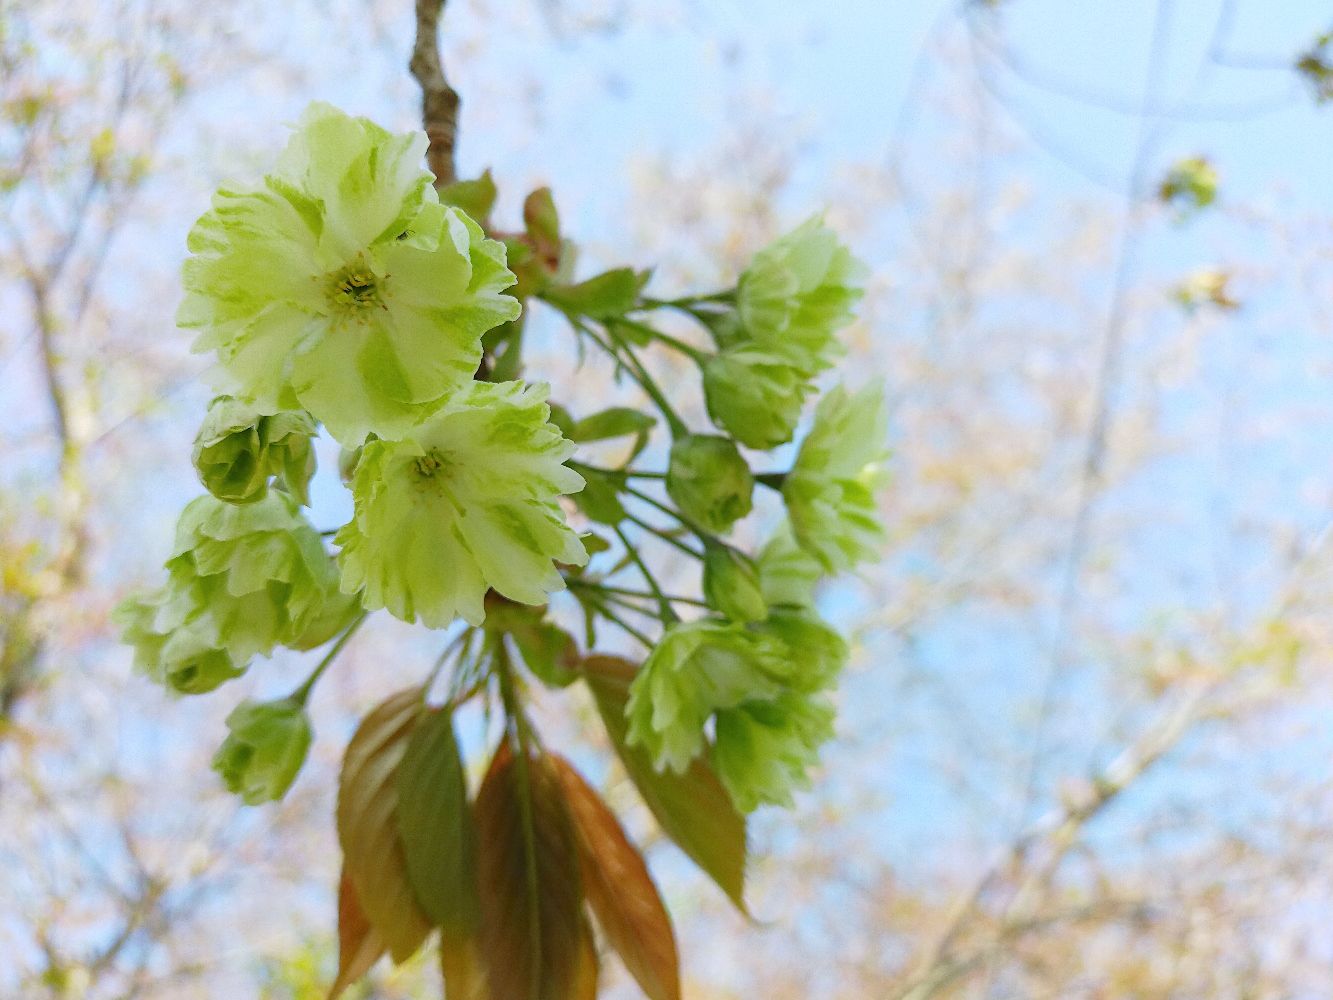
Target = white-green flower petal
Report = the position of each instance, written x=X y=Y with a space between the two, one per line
x=798 y=292
x=788 y=574
x=830 y=491
x=763 y=750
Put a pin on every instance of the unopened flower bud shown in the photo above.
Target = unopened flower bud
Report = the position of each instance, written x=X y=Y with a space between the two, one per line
x=731 y=584
x=709 y=481
x=237 y=451
x=266 y=747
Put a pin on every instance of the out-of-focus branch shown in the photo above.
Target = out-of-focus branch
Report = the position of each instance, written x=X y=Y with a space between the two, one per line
x=439 y=101
x=1032 y=859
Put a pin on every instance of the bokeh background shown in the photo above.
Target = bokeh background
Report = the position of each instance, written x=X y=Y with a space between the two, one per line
x=1084 y=748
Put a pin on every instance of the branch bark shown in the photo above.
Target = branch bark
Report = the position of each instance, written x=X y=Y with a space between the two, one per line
x=439 y=101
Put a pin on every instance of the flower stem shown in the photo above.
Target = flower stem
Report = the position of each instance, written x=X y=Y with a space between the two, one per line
x=301 y=694
x=703 y=533
x=664 y=607
x=698 y=356
x=663 y=534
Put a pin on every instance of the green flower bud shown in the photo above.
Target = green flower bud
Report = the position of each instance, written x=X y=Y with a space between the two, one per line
x=798 y=292
x=731 y=584
x=267 y=745
x=695 y=669
x=709 y=481
x=756 y=396
x=763 y=750
x=238 y=450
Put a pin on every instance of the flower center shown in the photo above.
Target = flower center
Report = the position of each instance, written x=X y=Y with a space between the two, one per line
x=429 y=464
x=355 y=290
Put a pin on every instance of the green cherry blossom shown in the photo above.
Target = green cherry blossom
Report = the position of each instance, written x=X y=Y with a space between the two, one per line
x=340 y=285
x=467 y=501
x=788 y=574
x=755 y=395
x=763 y=750
x=241 y=580
x=830 y=491
x=798 y=292
x=264 y=750
x=695 y=669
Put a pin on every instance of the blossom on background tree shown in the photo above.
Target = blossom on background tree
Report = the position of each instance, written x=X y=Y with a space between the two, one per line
x=344 y=291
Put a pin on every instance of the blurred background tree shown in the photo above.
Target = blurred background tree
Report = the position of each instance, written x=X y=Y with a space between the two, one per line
x=1083 y=753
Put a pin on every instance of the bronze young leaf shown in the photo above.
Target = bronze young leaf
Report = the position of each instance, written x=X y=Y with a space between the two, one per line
x=532 y=927
x=368 y=827
x=620 y=891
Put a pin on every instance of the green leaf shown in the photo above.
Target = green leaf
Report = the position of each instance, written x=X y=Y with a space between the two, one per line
x=475 y=197
x=605 y=296
x=594 y=543
x=548 y=650
x=374 y=859
x=617 y=421
x=561 y=418
x=435 y=824
x=532 y=929
x=599 y=498
x=693 y=808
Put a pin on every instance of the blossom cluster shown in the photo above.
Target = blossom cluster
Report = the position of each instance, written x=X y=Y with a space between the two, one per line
x=344 y=292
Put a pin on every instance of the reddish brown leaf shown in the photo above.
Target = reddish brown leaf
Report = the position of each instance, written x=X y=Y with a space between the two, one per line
x=461 y=967
x=589 y=967
x=693 y=808
x=531 y=898
x=620 y=890
x=367 y=824
x=359 y=944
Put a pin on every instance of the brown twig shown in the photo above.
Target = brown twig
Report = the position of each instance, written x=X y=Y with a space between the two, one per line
x=439 y=101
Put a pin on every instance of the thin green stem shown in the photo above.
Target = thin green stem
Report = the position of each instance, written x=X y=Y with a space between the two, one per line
x=636 y=368
x=522 y=736
x=689 y=350
x=458 y=644
x=636 y=372
x=685 y=301
x=619 y=622
x=661 y=533
x=646 y=595
x=664 y=607
x=301 y=694
x=703 y=533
